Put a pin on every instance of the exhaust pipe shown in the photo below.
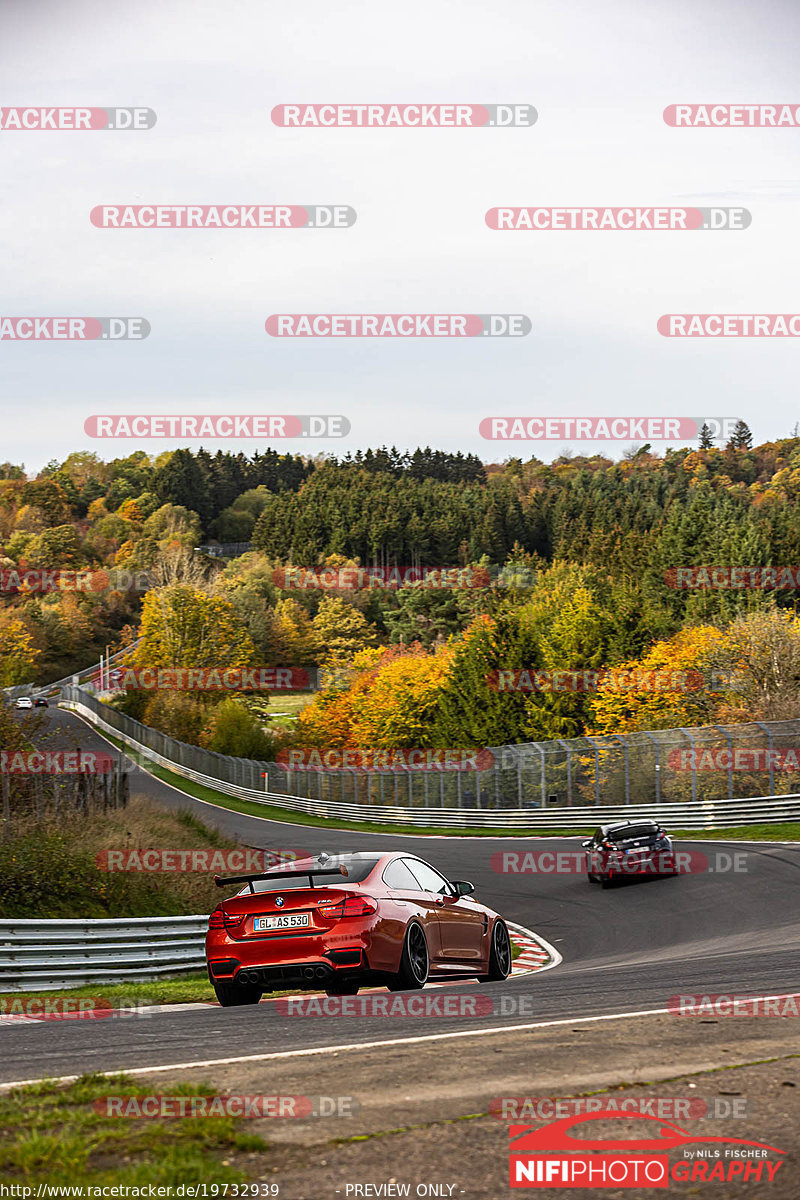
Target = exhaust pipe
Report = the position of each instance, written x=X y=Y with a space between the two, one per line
x=321 y=973
x=308 y=972
x=248 y=976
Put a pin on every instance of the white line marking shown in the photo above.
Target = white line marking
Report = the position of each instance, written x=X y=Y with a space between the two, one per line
x=406 y=1041
x=318 y=1050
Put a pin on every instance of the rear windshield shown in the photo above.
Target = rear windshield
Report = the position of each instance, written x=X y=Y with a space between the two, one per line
x=357 y=871
x=631 y=832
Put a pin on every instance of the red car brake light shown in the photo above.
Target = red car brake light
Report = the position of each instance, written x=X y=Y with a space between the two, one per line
x=348 y=906
x=233 y=920
x=216 y=921
x=359 y=906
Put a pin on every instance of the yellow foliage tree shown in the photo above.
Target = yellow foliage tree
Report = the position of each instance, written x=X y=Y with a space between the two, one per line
x=184 y=627
x=634 y=694
x=18 y=654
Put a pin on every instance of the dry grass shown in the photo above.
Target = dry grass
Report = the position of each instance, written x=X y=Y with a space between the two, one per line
x=50 y=869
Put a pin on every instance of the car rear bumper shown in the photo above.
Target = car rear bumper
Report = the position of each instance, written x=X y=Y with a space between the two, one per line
x=285 y=962
x=659 y=862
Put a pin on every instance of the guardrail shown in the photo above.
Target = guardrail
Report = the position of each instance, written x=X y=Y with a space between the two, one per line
x=47 y=689
x=690 y=815
x=37 y=956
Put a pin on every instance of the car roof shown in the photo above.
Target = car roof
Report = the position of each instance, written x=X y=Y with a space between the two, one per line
x=348 y=855
x=624 y=824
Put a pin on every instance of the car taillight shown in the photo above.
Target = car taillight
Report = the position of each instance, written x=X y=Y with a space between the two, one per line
x=350 y=906
x=215 y=921
x=359 y=906
x=233 y=920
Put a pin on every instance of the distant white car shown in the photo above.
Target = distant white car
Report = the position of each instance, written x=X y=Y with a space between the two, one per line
x=24 y=702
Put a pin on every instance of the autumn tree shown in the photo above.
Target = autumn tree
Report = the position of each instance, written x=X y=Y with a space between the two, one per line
x=185 y=627
x=340 y=630
x=18 y=651
x=760 y=652
x=400 y=707
x=672 y=685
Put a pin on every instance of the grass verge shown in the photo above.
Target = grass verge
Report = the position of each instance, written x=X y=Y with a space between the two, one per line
x=785 y=831
x=54 y=1135
x=188 y=989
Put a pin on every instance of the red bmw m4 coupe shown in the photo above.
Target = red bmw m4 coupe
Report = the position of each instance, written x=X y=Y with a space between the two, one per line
x=341 y=921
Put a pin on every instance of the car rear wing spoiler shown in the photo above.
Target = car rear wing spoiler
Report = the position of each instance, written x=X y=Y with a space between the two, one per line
x=225 y=881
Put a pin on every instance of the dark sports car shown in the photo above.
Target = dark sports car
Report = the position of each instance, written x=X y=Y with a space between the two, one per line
x=628 y=849
x=341 y=921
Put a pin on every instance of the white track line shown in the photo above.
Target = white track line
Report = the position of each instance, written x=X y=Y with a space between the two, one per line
x=405 y=1041
x=319 y=1050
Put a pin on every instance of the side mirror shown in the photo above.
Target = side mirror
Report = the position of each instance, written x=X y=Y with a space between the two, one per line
x=462 y=887
x=587 y=844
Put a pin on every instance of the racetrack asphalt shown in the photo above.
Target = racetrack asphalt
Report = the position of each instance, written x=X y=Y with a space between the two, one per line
x=626 y=949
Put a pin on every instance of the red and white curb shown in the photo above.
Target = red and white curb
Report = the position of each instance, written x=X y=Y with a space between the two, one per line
x=535 y=954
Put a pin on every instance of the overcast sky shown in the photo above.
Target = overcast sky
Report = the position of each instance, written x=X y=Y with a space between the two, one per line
x=599 y=76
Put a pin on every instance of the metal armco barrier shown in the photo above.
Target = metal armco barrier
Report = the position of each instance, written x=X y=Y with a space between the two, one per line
x=690 y=815
x=38 y=956
x=705 y=764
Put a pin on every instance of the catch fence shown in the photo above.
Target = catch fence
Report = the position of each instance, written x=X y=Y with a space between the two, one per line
x=660 y=768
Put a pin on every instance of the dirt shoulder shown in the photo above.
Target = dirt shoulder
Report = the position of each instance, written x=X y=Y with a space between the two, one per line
x=419 y=1114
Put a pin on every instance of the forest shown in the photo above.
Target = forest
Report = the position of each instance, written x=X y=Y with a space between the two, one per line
x=573 y=566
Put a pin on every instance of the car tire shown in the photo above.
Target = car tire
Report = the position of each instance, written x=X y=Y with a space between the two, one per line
x=499 y=955
x=343 y=987
x=414 y=962
x=232 y=995
x=607 y=881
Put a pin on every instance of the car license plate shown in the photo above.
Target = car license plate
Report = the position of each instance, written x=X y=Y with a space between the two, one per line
x=284 y=921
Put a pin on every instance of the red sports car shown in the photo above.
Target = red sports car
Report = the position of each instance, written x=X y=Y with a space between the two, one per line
x=341 y=921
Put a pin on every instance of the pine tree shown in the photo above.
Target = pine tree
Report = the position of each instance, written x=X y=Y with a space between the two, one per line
x=741 y=438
